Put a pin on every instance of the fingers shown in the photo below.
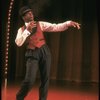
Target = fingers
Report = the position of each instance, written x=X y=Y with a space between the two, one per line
x=32 y=24
x=76 y=25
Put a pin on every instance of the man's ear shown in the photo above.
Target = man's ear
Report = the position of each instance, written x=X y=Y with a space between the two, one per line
x=23 y=18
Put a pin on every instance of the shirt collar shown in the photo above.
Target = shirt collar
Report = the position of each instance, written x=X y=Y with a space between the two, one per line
x=26 y=23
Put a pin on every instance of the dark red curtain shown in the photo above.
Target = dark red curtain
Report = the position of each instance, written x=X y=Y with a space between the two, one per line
x=75 y=53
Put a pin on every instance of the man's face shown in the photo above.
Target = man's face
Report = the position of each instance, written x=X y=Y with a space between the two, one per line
x=28 y=16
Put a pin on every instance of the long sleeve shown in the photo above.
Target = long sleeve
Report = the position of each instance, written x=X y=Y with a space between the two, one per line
x=53 y=27
x=45 y=27
x=21 y=36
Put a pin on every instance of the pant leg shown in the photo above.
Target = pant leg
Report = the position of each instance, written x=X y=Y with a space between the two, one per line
x=44 y=68
x=31 y=70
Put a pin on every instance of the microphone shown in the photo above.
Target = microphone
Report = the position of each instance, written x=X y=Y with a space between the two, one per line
x=32 y=27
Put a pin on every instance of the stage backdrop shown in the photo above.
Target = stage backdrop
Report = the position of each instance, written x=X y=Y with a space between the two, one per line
x=75 y=53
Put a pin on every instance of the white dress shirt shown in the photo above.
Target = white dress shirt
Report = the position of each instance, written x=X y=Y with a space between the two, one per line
x=45 y=27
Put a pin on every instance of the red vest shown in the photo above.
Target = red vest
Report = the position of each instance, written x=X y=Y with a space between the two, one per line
x=36 y=40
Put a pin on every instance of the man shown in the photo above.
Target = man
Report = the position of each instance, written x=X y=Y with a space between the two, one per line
x=37 y=52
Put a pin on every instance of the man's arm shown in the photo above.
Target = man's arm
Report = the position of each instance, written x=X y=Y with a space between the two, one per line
x=24 y=33
x=21 y=36
x=50 y=27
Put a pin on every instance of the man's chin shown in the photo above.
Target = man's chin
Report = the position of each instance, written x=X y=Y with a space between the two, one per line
x=31 y=19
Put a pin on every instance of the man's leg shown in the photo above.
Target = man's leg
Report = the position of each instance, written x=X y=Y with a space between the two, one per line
x=31 y=70
x=44 y=68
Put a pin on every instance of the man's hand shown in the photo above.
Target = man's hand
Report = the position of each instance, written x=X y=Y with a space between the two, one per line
x=75 y=24
x=31 y=25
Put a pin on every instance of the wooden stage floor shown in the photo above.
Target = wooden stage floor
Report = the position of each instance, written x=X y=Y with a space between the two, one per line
x=56 y=92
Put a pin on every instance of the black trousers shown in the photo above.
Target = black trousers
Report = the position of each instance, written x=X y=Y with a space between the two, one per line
x=40 y=58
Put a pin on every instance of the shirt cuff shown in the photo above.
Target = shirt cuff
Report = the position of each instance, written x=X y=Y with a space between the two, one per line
x=68 y=22
x=27 y=32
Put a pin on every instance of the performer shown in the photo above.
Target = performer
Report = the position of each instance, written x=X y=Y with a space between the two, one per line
x=37 y=52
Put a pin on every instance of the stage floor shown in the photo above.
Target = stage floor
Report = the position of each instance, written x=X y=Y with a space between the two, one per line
x=56 y=92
